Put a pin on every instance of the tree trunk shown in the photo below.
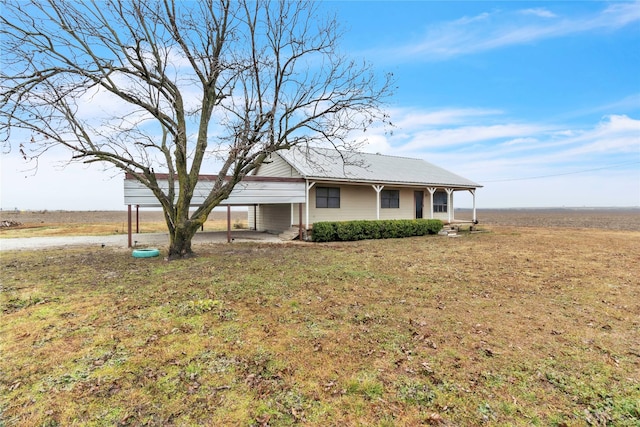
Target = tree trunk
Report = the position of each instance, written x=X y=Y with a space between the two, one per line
x=180 y=240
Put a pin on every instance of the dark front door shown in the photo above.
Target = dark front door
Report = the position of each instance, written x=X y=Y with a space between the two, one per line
x=419 y=196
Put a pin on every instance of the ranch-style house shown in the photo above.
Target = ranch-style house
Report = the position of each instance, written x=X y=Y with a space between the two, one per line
x=300 y=186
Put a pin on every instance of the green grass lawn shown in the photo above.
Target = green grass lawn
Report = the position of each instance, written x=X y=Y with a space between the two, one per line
x=524 y=327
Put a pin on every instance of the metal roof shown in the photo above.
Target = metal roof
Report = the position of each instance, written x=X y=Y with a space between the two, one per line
x=331 y=164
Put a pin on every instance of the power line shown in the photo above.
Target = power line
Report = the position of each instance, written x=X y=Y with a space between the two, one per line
x=562 y=174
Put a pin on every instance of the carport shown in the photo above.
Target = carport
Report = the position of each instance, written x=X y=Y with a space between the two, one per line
x=251 y=191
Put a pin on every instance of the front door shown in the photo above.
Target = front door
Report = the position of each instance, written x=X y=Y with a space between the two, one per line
x=419 y=197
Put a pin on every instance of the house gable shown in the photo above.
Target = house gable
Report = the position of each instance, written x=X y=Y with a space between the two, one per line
x=276 y=166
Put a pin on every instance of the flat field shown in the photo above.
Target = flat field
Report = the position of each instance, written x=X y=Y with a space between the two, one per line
x=516 y=325
x=79 y=223
x=610 y=219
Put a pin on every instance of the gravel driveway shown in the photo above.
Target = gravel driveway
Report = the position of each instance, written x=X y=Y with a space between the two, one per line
x=120 y=240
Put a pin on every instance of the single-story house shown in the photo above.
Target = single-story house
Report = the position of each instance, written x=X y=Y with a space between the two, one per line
x=300 y=186
x=342 y=186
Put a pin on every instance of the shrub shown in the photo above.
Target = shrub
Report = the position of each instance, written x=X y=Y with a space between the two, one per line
x=324 y=231
x=329 y=231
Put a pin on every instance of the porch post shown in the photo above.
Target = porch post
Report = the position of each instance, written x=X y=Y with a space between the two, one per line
x=431 y=191
x=449 y=203
x=473 y=193
x=300 y=235
x=306 y=204
x=137 y=218
x=378 y=189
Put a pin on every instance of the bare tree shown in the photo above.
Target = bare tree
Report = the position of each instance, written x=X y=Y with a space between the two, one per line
x=160 y=86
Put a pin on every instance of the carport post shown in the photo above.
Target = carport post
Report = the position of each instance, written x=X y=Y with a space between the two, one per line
x=129 y=224
x=137 y=219
x=228 y=223
x=255 y=217
x=300 y=221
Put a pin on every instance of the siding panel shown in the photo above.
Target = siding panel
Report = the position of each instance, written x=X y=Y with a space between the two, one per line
x=359 y=202
x=406 y=209
x=245 y=193
x=275 y=166
x=356 y=202
x=273 y=218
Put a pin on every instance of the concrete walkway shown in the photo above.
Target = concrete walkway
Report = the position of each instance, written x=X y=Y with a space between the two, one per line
x=141 y=240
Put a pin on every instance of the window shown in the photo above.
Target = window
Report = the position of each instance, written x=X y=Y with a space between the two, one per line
x=327 y=197
x=390 y=199
x=440 y=201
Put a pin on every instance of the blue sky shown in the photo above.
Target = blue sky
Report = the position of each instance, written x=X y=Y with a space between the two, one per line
x=537 y=101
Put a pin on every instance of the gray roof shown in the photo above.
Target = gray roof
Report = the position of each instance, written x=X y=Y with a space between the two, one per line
x=331 y=164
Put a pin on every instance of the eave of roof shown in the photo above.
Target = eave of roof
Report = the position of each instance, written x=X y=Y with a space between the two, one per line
x=391 y=183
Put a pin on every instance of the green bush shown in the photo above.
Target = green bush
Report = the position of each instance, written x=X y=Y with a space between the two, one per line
x=329 y=231
x=324 y=231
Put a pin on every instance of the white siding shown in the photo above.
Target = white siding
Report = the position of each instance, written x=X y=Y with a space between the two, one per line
x=443 y=216
x=407 y=209
x=260 y=222
x=244 y=193
x=272 y=218
x=356 y=202
x=359 y=202
x=274 y=166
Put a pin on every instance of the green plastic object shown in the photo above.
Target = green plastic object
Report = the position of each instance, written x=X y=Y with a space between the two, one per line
x=145 y=253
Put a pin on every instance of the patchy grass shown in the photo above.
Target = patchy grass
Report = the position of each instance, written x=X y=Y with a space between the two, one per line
x=514 y=327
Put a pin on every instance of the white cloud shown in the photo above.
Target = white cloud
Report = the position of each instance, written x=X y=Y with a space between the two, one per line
x=521 y=162
x=539 y=12
x=488 y=31
x=615 y=134
x=446 y=116
x=520 y=141
x=470 y=134
x=418 y=130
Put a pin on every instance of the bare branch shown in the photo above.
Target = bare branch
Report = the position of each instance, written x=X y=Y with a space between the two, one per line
x=160 y=86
